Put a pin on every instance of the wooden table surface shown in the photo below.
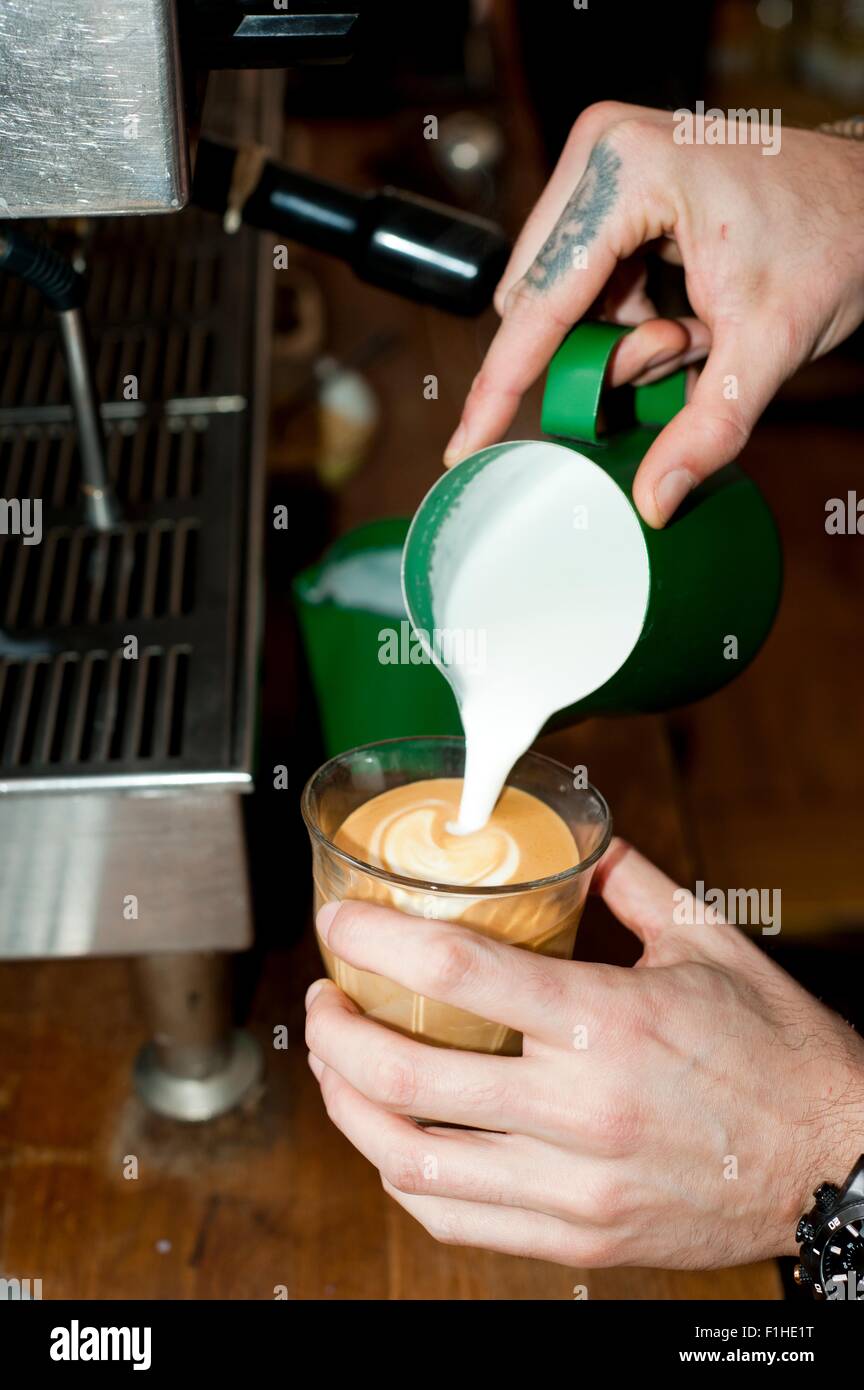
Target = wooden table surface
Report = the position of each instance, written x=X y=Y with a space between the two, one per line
x=270 y=1198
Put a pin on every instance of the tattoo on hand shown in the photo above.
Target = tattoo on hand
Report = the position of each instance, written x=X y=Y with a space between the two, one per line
x=581 y=219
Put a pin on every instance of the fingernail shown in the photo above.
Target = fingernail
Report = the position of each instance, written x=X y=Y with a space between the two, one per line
x=453 y=452
x=316 y=1066
x=671 y=491
x=325 y=917
x=314 y=990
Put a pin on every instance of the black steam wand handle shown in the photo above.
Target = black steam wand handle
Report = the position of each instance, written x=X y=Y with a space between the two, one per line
x=63 y=290
x=416 y=248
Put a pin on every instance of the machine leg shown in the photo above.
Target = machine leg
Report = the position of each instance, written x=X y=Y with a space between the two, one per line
x=197 y=1065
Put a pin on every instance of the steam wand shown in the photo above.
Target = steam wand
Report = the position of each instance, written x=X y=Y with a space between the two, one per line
x=63 y=290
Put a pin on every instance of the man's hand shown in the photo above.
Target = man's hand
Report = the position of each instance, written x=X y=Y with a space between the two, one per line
x=773 y=250
x=710 y=1095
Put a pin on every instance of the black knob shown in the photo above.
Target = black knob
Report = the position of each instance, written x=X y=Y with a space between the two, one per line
x=801 y=1276
x=826 y=1196
x=806 y=1231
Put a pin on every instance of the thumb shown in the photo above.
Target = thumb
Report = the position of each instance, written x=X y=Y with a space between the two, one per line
x=642 y=897
x=743 y=371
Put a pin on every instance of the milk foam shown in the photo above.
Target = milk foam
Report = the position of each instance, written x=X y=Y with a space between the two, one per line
x=415 y=843
x=543 y=553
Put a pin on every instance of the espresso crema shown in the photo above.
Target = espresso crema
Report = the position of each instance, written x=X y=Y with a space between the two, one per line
x=408 y=831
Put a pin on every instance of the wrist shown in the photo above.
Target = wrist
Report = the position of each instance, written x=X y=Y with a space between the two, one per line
x=829 y=1138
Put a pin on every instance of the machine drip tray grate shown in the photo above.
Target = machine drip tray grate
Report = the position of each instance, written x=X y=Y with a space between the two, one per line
x=79 y=578
x=149 y=462
x=125 y=655
x=99 y=708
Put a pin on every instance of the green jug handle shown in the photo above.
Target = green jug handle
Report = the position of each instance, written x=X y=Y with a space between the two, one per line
x=574 y=385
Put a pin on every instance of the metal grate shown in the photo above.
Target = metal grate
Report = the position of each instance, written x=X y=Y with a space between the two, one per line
x=81 y=703
x=158 y=314
x=80 y=578
x=148 y=462
x=91 y=709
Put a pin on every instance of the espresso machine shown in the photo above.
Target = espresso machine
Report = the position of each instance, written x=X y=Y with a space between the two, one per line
x=136 y=284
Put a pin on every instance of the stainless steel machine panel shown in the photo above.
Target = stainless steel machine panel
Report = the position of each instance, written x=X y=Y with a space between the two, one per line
x=122 y=875
x=119 y=778
x=90 y=108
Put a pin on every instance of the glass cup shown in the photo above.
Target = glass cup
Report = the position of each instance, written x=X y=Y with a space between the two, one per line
x=538 y=916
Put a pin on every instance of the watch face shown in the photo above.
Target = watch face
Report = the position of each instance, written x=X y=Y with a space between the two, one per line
x=841 y=1263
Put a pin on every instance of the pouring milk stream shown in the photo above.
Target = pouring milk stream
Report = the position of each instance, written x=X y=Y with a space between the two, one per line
x=530 y=560
x=540 y=566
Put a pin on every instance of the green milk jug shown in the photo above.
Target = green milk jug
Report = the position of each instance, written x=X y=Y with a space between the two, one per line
x=705 y=589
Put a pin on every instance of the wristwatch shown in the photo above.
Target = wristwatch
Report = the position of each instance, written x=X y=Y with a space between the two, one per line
x=831 y=1237
x=852 y=127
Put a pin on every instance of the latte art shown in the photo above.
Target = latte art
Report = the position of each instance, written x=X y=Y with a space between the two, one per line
x=406 y=831
x=416 y=843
